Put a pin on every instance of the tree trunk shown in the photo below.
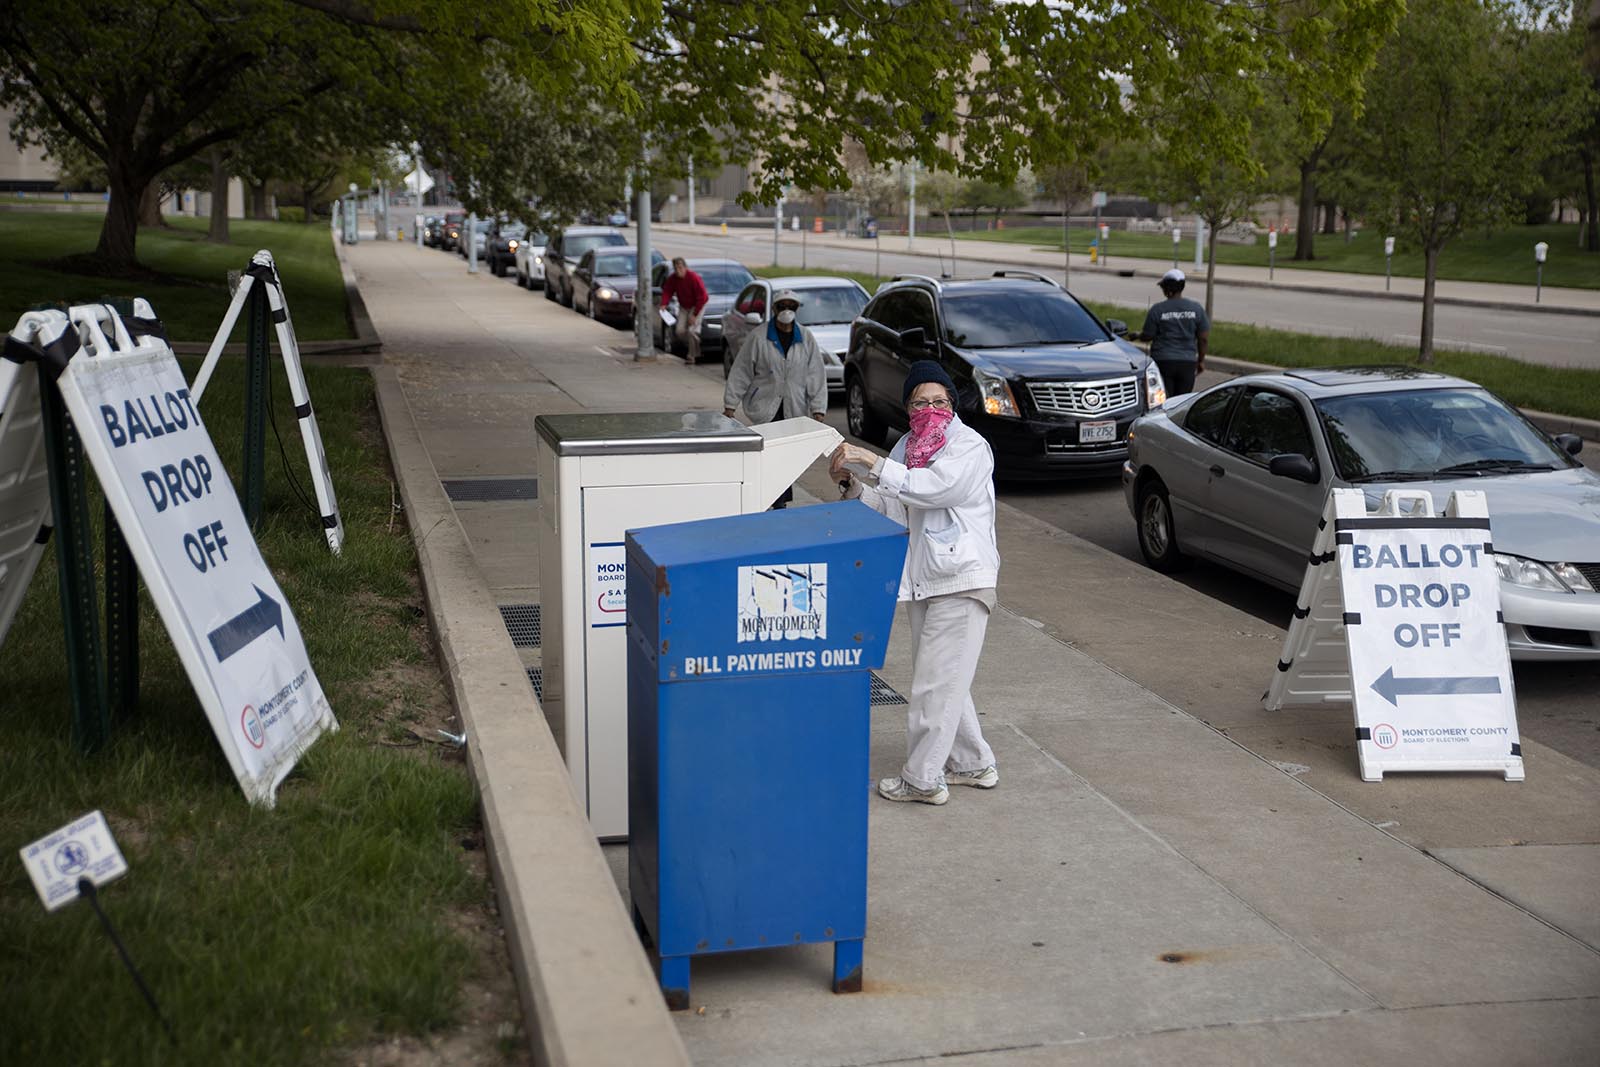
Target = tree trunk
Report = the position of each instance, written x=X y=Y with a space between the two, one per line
x=1330 y=219
x=150 y=206
x=255 y=206
x=218 y=233
x=1591 y=228
x=1306 y=228
x=1349 y=230
x=119 y=233
x=1425 y=346
x=1211 y=261
x=307 y=193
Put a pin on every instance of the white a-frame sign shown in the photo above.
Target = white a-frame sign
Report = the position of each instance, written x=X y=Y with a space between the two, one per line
x=24 y=473
x=264 y=272
x=1399 y=614
x=229 y=621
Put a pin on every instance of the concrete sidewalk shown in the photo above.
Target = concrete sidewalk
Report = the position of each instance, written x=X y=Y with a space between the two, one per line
x=1296 y=279
x=1142 y=885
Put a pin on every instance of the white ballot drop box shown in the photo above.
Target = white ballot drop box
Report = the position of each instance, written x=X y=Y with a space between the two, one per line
x=601 y=475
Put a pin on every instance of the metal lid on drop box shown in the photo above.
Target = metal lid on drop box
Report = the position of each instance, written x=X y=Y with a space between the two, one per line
x=632 y=433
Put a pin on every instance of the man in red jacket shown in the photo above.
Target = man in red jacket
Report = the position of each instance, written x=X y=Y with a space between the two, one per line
x=690 y=291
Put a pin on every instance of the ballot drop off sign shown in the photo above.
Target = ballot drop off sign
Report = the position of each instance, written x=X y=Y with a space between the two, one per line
x=227 y=617
x=1429 y=667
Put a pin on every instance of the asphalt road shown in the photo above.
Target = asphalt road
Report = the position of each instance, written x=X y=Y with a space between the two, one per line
x=1558 y=704
x=1554 y=339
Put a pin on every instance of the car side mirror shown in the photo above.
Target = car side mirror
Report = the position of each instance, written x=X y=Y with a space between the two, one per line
x=1570 y=443
x=752 y=318
x=916 y=337
x=1294 y=465
x=1117 y=327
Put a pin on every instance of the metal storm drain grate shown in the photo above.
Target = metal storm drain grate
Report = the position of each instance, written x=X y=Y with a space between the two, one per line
x=883 y=693
x=536 y=679
x=522 y=623
x=482 y=489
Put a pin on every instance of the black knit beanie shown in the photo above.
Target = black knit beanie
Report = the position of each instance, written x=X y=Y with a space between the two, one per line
x=926 y=370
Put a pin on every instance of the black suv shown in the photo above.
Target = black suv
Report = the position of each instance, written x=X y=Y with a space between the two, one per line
x=1051 y=387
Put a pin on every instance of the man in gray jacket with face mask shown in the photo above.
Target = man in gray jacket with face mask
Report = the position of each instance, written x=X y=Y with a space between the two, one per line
x=778 y=373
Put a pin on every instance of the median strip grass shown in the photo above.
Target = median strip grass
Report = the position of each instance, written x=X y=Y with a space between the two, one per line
x=354 y=915
x=1558 y=390
x=47 y=258
x=1505 y=256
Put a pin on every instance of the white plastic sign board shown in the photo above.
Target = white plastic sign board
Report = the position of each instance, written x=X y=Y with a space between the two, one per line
x=263 y=271
x=81 y=849
x=24 y=473
x=229 y=620
x=1400 y=614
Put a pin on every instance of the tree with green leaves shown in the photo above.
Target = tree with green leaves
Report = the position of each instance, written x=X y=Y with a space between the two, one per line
x=1463 y=106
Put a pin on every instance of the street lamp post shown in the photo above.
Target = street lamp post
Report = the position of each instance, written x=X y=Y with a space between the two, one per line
x=470 y=235
x=1540 y=250
x=1105 y=243
x=777 y=228
x=911 y=213
x=1388 y=255
x=1272 y=250
x=1177 y=235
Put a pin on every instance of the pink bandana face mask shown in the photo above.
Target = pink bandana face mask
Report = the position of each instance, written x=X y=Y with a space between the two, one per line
x=927 y=435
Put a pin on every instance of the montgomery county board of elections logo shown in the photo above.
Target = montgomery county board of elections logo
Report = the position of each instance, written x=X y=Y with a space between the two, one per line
x=783 y=602
x=255 y=731
x=1385 y=736
x=71 y=858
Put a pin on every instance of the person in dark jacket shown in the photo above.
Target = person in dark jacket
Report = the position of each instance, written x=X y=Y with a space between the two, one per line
x=1178 y=332
x=690 y=290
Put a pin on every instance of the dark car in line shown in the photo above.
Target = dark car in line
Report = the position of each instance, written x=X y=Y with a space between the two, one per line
x=566 y=248
x=500 y=248
x=450 y=230
x=1051 y=387
x=723 y=279
x=604 y=281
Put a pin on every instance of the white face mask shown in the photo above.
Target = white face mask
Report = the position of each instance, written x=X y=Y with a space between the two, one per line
x=785 y=318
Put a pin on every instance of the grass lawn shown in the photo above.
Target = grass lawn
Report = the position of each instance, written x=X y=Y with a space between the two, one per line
x=355 y=914
x=1506 y=256
x=190 y=289
x=1560 y=390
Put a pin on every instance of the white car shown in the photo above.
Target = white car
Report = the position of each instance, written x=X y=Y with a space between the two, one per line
x=828 y=305
x=530 y=260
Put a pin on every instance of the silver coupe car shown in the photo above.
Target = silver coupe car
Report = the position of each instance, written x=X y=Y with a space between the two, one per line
x=1238 y=474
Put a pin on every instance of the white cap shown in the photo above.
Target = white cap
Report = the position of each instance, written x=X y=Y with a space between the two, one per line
x=786 y=296
x=1173 y=276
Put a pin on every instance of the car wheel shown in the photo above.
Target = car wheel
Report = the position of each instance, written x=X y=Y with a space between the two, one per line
x=549 y=293
x=566 y=296
x=590 y=309
x=522 y=280
x=1158 y=536
x=858 y=414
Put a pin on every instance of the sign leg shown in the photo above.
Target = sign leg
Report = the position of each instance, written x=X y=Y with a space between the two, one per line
x=674 y=971
x=847 y=958
x=258 y=318
x=122 y=623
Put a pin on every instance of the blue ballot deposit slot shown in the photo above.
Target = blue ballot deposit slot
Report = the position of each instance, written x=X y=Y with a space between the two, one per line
x=750 y=645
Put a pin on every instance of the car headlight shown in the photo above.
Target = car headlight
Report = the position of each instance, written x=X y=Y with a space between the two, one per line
x=995 y=394
x=1155 y=390
x=605 y=293
x=538 y=261
x=1531 y=574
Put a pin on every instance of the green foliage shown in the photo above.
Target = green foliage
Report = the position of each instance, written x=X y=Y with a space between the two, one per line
x=270 y=937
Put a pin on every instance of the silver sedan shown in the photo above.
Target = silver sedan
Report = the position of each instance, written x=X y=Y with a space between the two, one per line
x=1238 y=475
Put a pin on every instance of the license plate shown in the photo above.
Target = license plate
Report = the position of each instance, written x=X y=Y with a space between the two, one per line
x=1096 y=433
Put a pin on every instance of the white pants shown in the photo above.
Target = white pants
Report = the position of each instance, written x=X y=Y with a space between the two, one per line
x=687 y=330
x=941 y=724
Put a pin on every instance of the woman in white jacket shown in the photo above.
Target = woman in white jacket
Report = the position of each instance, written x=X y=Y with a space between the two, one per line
x=939 y=482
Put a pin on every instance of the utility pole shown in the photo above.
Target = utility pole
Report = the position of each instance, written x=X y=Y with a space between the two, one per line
x=691 y=190
x=777 y=228
x=470 y=235
x=911 y=214
x=643 y=306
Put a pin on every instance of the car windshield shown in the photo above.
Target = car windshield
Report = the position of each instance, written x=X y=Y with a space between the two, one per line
x=616 y=263
x=483 y=225
x=513 y=230
x=1431 y=432
x=724 y=279
x=1018 y=319
x=576 y=246
x=536 y=238
x=824 y=307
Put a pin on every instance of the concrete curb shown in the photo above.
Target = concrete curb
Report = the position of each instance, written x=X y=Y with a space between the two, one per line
x=1589 y=429
x=366 y=339
x=588 y=993
x=995 y=258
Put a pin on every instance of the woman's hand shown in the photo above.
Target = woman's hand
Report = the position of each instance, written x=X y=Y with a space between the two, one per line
x=849 y=453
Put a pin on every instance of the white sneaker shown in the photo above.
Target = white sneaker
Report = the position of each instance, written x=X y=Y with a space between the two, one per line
x=987 y=778
x=898 y=788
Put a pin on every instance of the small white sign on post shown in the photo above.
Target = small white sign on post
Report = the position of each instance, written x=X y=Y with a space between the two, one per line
x=228 y=619
x=83 y=848
x=1399 y=614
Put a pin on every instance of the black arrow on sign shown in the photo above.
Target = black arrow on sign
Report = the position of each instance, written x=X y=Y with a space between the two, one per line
x=265 y=614
x=1391 y=688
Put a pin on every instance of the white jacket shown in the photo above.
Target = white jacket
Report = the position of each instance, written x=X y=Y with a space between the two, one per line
x=949 y=508
x=763 y=378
